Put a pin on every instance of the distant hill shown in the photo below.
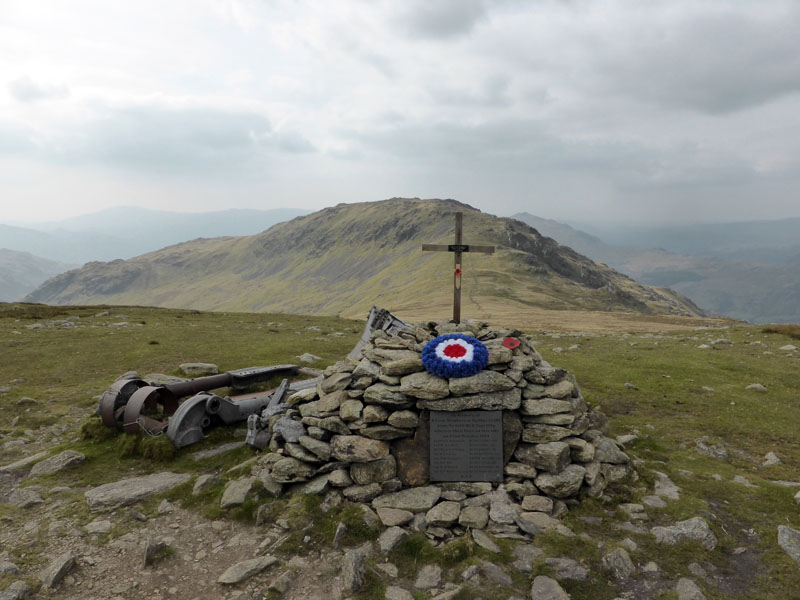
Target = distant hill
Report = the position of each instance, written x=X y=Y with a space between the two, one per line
x=124 y=232
x=22 y=272
x=761 y=292
x=343 y=259
x=763 y=241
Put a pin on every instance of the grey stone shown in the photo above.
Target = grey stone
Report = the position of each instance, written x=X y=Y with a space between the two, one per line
x=374 y=414
x=336 y=382
x=428 y=577
x=385 y=432
x=533 y=503
x=397 y=593
x=128 y=491
x=236 y=492
x=23 y=464
x=539 y=433
x=334 y=424
x=688 y=590
x=567 y=568
x=718 y=451
x=481 y=382
x=246 y=569
x=314 y=487
x=56 y=463
x=443 y=514
x=362 y=493
x=756 y=387
x=789 y=540
x=695 y=529
x=470 y=488
x=545 y=406
x=350 y=410
x=654 y=501
x=8 y=568
x=425 y=386
x=289 y=429
x=300 y=453
x=375 y=471
x=320 y=449
x=392 y=517
x=412 y=499
x=484 y=541
x=340 y=478
x=390 y=537
x=503 y=512
x=545 y=588
x=16 y=591
x=291 y=470
x=665 y=488
x=98 y=526
x=353 y=571
x=153 y=551
x=526 y=555
x=354 y=448
x=366 y=368
x=198 y=369
x=307 y=357
x=521 y=470
x=535 y=523
x=619 y=563
x=403 y=366
x=473 y=517
x=24 y=498
x=550 y=456
x=565 y=484
x=54 y=572
x=404 y=419
x=559 y=390
x=386 y=395
x=503 y=400
x=607 y=451
x=495 y=574
x=771 y=459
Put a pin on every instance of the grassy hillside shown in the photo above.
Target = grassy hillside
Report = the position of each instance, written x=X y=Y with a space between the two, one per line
x=22 y=272
x=681 y=398
x=341 y=260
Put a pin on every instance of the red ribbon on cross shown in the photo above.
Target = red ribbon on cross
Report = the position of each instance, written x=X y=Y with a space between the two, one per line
x=457 y=272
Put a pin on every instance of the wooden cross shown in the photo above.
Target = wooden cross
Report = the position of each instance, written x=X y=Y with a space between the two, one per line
x=457 y=249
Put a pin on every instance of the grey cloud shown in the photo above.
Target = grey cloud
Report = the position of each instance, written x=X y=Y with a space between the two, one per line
x=159 y=138
x=492 y=92
x=442 y=18
x=713 y=63
x=25 y=89
x=516 y=146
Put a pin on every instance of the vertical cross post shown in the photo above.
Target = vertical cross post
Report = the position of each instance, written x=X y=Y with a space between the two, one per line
x=457 y=249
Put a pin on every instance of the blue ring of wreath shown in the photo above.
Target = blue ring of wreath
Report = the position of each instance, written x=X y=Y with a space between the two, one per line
x=448 y=369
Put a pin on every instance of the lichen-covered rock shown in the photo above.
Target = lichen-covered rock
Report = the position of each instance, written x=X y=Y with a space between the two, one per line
x=354 y=448
x=412 y=499
x=443 y=514
x=695 y=529
x=425 y=386
x=563 y=484
x=376 y=471
x=386 y=395
x=481 y=382
x=291 y=470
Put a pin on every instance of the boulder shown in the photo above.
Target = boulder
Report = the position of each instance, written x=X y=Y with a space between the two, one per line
x=128 y=491
x=354 y=448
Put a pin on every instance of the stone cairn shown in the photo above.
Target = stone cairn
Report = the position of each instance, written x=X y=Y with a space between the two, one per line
x=363 y=431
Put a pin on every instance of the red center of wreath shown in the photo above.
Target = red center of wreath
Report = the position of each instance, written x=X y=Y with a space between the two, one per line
x=455 y=351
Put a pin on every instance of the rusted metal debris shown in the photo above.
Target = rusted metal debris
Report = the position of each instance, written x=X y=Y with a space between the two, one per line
x=135 y=405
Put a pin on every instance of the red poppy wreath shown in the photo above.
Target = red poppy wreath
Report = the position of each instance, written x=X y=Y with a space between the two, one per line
x=454 y=355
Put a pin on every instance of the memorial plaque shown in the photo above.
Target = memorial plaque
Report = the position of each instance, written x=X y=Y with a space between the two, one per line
x=466 y=445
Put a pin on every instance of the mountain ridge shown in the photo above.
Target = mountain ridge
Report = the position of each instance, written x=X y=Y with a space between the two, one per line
x=343 y=259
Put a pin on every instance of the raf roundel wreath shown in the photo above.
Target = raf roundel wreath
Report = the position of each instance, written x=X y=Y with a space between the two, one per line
x=454 y=355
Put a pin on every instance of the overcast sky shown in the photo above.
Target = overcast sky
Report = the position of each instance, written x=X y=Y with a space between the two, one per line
x=607 y=110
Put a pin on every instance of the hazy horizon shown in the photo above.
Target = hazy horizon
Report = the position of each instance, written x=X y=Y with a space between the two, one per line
x=607 y=111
